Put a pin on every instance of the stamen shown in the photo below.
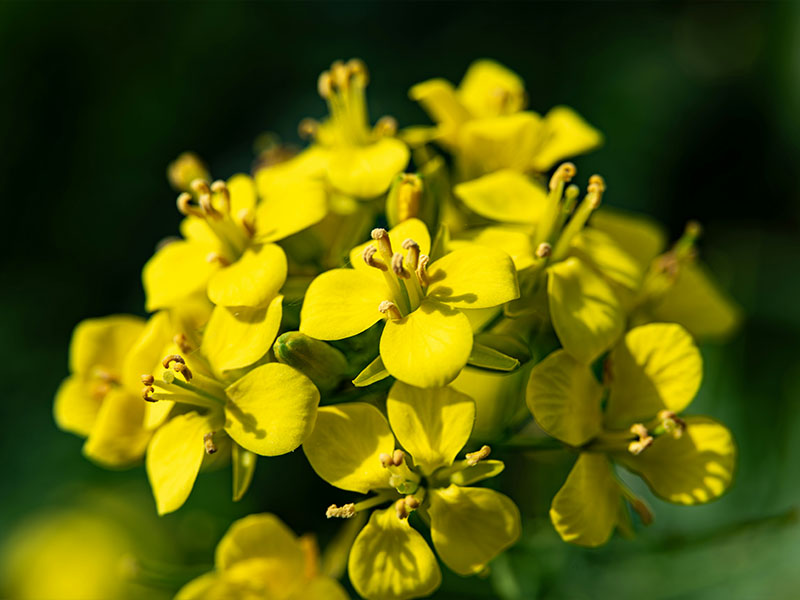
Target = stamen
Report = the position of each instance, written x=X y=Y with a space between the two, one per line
x=219 y=187
x=385 y=127
x=401 y=509
x=397 y=266
x=170 y=358
x=644 y=441
x=386 y=459
x=200 y=187
x=544 y=250
x=369 y=257
x=341 y=512
x=672 y=424
x=182 y=342
x=358 y=71
x=422 y=270
x=325 y=85
x=398 y=456
x=564 y=174
x=214 y=257
x=390 y=308
x=412 y=503
x=185 y=206
x=473 y=458
x=595 y=189
x=179 y=366
x=395 y=459
x=248 y=221
x=148 y=380
x=208 y=443
x=147 y=392
x=412 y=254
x=381 y=238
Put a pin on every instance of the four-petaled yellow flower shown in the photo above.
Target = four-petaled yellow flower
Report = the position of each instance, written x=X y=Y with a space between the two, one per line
x=652 y=375
x=353 y=448
x=427 y=338
x=260 y=558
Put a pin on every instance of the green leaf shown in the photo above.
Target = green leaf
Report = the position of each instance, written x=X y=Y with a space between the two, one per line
x=372 y=373
x=489 y=358
x=244 y=465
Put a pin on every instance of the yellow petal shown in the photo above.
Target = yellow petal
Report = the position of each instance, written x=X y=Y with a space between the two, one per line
x=341 y=303
x=566 y=135
x=413 y=229
x=391 y=561
x=209 y=586
x=506 y=196
x=118 y=437
x=654 y=367
x=428 y=347
x=489 y=89
x=599 y=249
x=345 y=446
x=367 y=171
x=242 y=190
x=696 y=468
x=237 y=337
x=155 y=413
x=176 y=271
x=253 y=280
x=99 y=346
x=76 y=407
x=431 y=424
x=323 y=588
x=146 y=354
x=495 y=143
x=289 y=206
x=196 y=229
x=271 y=410
x=586 y=315
x=261 y=536
x=174 y=457
x=564 y=397
x=640 y=237
x=438 y=98
x=470 y=526
x=698 y=304
x=473 y=277
x=514 y=242
x=585 y=509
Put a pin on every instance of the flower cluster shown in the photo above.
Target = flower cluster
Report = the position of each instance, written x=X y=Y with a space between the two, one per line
x=394 y=302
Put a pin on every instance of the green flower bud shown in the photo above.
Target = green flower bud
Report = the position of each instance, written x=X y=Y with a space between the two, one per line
x=320 y=362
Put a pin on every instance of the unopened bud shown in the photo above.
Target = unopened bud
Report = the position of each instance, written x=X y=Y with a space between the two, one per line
x=323 y=364
x=185 y=169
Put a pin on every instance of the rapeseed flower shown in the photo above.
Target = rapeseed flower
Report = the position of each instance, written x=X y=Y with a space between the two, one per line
x=427 y=339
x=353 y=447
x=652 y=375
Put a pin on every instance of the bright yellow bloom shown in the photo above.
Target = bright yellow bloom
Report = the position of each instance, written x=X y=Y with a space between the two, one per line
x=259 y=558
x=353 y=447
x=652 y=375
x=227 y=250
x=482 y=123
x=222 y=398
x=427 y=339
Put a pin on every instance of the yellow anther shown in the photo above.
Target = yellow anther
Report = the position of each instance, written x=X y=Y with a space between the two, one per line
x=398 y=456
x=422 y=270
x=383 y=242
x=200 y=187
x=401 y=509
x=544 y=250
x=644 y=441
x=397 y=266
x=208 y=443
x=595 y=191
x=186 y=207
x=411 y=502
x=340 y=75
x=182 y=342
x=148 y=380
x=473 y=458
x=390 y=309
x=308 y=128
x=564 y=173
x=386 y=459
x=178 y=367
x=341 y=512
x=215 y=257
x=412 y=254
x=358 y=71
x=171 y=358
x=219 y=187
x=147 y=392
x=325 y=85
x=385 y=127
x=183 y=370
x=369 y=257
x=672 y=423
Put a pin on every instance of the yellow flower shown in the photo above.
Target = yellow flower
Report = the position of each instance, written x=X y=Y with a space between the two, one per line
x=101 y=398
x=482 y=123
x=353 y=448
x=652 y=375
x=427 y=339
x=260 y=558
x=222 y=397
x=227 y=250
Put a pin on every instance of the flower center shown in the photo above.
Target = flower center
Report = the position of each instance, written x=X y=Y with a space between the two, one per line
x=406 y=276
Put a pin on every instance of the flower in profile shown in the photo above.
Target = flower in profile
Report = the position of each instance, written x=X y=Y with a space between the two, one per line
x=353 y=447
x=482 y=122
x=259 y=557
x=652 y=375
x=427 y=339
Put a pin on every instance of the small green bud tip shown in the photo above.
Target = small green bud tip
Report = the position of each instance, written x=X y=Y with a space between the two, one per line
x=323 y=364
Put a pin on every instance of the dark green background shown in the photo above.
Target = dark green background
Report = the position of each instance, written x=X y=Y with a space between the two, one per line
x=699 y=105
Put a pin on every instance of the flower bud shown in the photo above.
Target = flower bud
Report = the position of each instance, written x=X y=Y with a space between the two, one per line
x=320 y=362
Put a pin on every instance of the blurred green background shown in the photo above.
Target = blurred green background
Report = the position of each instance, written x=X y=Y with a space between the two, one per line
x=699 y=105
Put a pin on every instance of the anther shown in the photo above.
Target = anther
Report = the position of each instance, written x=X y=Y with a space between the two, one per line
x=200 y=187
x=564 y=173
x=397 y=266
x=178 y=367
x=325 y=85
x=215 y=257
x=248 y=221
x=341 y=512
x=219 y=187
x=358 y=70
x=401 y=509
x=412 y=254
x=544 y=250
x=183 y=370
x=147 y=392
x=644 y=441
x=148 y=380
x=422 y=270
x=411 y=502
x=473 y=458
x=185 y=206
x=381 y=238
x=385 y=127
x=171 y=358
x=389 y=308
x=369 y=257
x=182 y=342
x=208 y=443
x=308 y=128
x=596 y=187
x=398 y=456
x=672 y=424
x=386 y=459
